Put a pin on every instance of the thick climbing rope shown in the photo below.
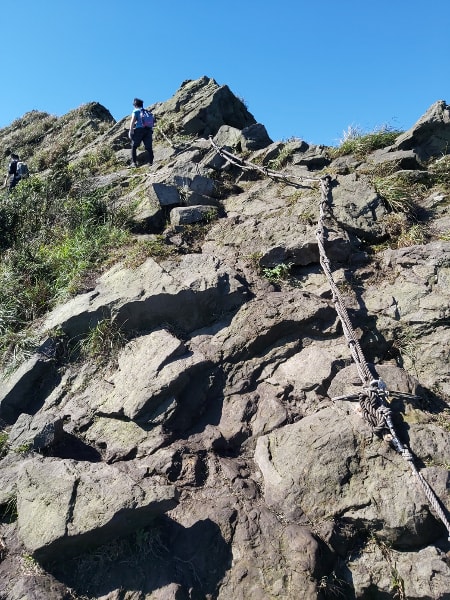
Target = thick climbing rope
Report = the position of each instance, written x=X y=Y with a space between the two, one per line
x=373 y=399
x=246 y=165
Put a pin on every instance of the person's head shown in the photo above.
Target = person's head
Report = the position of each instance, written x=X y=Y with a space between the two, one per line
x=14 y=156
x=138 y=103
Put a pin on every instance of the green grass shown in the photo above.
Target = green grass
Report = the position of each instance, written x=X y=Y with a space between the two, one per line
x=3 y=443
x=51 y=240
x=283 y=158
x=361 y=144
x=102 y=342
x=400 y=192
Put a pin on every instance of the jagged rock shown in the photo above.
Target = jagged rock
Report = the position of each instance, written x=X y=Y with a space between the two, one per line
x=192 y=214
x=357 y=207
x=311 y=468
x=400 y=159
x=227 y=137
x=38 y=432
x=383 y=571
x=312 y=157
x=150 y=295
x=25 y=388
x=164 y=195
x=430 y=136
x=65 y=507
x=168 y=368
x=206 y=107
x=417 y=294
x=254 y=137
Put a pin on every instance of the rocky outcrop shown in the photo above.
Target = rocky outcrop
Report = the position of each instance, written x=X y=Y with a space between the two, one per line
x=64 y=508
x=221 y=452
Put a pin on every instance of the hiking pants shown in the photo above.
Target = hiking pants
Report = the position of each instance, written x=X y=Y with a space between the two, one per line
x=145 y=135
x=13 y=180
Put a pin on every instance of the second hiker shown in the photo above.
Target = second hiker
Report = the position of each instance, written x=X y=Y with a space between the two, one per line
x=13 y=175
x=141 y=131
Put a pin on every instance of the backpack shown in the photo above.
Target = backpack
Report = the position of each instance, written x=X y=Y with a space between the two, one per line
x=148 y=120
x=22 y=171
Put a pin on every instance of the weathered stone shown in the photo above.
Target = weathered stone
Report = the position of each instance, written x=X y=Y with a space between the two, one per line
x=192 y=214
x=430 y=136
x=227 y=137
x=152 y=294
x=314 y=463
x=164 y=195
x=65 y=507
x=206 y=107
x=380 y=570
x=255 y=137
x=152 y=371
x=38 y=432
x=27 y=387
x=357 y=207
x=401 y=159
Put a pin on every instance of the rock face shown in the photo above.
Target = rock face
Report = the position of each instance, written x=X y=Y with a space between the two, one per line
x=221 y=451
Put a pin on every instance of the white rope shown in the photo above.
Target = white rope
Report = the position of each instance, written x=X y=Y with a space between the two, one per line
x=249 y=166
x=375 y=411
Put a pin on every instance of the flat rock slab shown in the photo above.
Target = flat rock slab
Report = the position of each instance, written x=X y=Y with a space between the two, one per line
x=66 y=507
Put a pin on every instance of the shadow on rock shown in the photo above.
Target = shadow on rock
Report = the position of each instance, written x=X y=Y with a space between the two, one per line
x=165 y=554
x=70 y=446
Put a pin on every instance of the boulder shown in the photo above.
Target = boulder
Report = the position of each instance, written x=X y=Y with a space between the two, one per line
x=430 y=136
x=151 y=294
x=152 y=371
x=42 y=431
x=313 y=468
x=206 y=107
x=192 y=214
x=65 y=507
x=254 y=137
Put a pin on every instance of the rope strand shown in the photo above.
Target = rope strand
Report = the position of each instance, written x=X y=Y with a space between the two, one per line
x=373 y=398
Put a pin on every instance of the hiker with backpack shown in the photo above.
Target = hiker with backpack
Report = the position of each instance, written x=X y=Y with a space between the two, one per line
x=17 y=170
x=141 y=131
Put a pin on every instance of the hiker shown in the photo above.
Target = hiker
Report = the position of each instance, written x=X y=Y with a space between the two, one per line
x=12 y=178
x=141 y=130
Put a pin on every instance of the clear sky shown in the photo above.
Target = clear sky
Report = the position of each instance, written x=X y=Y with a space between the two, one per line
x=305 y=68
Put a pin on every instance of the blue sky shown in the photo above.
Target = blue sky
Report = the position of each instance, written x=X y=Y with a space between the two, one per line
x=304 y=68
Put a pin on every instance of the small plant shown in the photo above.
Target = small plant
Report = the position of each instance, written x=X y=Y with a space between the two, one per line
x=440 y=172
x=103 y=341
x=333 y=587
x=3 y=443
x=156 y=248
x=9 y=510
x=254 y=260
x=30 y=566
x=279 y=273
x=402 y=232
x=405 y=342
x=283 y=158
x=23 y=449
x=416 y=234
